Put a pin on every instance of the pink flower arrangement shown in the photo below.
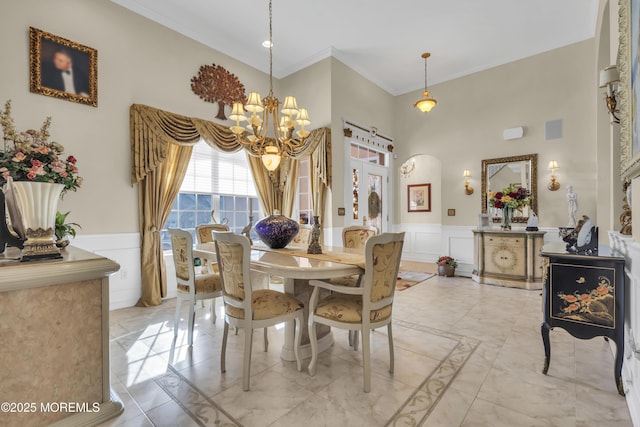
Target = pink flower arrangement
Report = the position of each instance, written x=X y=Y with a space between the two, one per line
x=29 y=156
x=447 y=260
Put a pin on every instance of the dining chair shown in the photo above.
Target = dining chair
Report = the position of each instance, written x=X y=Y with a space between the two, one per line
x=247 y=308
x=191 y=286
x=361 y=308
x=354 y=237
x=204 y=234
x=204 y=231
x=303 y=237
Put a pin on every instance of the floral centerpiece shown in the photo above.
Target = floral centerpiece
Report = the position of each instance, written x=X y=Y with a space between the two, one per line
x=30 y=156
x=37 y=173
x=446 y=266
x=509 y=199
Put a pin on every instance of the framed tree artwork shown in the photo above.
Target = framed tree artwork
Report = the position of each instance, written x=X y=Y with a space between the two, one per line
x=62 y=68
x=419 y=197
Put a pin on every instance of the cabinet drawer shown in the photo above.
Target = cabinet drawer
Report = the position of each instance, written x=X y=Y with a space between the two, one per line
x=504 y=241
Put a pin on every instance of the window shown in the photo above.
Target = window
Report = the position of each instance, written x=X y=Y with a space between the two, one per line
x=216 y=184
x=368 y=154
x=305 y=202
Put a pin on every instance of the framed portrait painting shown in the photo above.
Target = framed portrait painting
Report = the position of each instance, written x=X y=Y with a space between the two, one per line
x=629 y=93
x=419 y=198
x=62 y=68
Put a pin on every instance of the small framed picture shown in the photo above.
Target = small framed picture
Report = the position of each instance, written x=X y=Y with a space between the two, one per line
x=451 y=212
x=484 y=220
x=62 y=68
x=419 y=198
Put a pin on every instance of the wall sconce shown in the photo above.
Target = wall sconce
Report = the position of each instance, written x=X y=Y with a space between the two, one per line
x=467 y=189
x=553 y=167
x=407 y=167
x=609 y=78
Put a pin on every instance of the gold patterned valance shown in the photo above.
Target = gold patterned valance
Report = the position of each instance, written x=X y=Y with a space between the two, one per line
x=152 y=129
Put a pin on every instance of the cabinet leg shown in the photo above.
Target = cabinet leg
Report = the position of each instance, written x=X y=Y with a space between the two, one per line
x=618 y=367
x=544 y=330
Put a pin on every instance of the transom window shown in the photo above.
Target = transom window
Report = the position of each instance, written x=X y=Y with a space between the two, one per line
x=368 y=154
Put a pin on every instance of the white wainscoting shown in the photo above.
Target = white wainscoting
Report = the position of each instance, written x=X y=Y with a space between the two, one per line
x=630 y=250
x=423 y=242
x=427 y=242
x=123 y=248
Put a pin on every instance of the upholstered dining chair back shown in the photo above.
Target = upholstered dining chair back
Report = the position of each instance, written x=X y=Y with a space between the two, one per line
x=356 y=236
x=232 y=250
x=203 y=232
x=382 y=257
x=303 y=237
x=249 y=308
x=191 y=286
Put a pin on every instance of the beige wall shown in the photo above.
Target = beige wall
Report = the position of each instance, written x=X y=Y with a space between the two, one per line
x=142 y=62
x=467 y=126
x=357 y=99
x=138 y=62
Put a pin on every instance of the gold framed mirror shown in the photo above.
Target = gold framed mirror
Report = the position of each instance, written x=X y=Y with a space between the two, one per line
x=519 y=171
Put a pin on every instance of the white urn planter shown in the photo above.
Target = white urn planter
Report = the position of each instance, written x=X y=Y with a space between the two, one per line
x=37 y=203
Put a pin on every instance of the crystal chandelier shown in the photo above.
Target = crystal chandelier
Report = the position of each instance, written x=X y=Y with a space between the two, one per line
x=425 y=104
x=283 y=143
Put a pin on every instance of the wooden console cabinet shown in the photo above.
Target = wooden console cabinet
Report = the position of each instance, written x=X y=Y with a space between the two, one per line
x=508 y=258
x=584 y=295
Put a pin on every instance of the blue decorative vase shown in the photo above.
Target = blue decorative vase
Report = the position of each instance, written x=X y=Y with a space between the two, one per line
x=276 y=231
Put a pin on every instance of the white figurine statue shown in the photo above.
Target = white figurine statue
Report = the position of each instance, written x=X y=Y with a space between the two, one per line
x=572 y=198
x=532 y=223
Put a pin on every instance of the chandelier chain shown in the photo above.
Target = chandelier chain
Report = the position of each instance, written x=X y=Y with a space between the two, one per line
x=270 y=50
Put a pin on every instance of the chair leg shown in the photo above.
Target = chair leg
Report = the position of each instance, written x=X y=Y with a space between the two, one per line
x=298 y=340
x=213 y=311
x=366 y=359
x=246 y=364
x=177 y=319
x=391 y=362
x=266 y=340
x=355 y=340
x=313 y=339
x=223 y=352
x=192 y=316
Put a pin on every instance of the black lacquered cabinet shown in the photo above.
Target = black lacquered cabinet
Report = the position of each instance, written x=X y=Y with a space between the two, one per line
x=584 y=295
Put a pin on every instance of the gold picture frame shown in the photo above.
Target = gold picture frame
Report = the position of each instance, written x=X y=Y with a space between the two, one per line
x=629 y=89
x=419 y=198
x=62 y=68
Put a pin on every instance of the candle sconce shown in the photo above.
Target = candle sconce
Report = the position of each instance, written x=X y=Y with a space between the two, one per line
x=468 y=190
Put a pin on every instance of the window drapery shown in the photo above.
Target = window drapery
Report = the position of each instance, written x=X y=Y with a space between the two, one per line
x=161 y=145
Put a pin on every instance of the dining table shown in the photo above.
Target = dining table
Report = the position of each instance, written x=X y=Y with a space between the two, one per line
x=296 y=268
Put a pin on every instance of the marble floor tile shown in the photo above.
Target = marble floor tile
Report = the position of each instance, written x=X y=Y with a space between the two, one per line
x=465 y=355
x=483 y=414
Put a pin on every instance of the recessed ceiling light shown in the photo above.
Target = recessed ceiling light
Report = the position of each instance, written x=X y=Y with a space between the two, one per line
x=267 y=44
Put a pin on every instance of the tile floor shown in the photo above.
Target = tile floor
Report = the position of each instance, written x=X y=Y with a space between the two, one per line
x=466 y=355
